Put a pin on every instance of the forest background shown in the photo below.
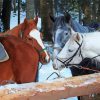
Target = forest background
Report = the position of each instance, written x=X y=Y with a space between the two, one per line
x=85 y=12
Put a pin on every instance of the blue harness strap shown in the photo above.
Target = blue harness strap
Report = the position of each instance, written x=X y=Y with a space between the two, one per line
x=3 y=54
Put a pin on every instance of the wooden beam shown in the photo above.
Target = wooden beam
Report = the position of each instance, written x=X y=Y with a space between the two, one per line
x=52 y=90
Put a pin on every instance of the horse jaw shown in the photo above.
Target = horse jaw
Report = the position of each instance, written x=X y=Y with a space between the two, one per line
x=36 y=35
x=57 y=65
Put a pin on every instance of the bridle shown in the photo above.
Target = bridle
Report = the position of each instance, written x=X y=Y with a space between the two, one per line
x=66 y=62
x=42 y=50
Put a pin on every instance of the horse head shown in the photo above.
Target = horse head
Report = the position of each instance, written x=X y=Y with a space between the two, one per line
x=28 y=25
x=35 y=39
x=61 y=34
x=71 y=53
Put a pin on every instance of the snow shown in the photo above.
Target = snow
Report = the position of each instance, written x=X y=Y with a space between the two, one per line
x=46 y=70
x=14 y=18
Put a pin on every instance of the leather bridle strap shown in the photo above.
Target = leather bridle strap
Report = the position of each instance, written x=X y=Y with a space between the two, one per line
x=42 y=50
x=71 y=58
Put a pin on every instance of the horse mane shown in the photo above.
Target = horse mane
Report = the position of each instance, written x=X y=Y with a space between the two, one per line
x=13 y=40
x=60 y=21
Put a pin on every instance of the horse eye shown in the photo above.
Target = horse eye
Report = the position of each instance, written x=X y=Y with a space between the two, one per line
x=70 y=50
x=66 y=33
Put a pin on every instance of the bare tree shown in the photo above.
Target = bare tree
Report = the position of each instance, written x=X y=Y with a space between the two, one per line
x=30 y=9
x=6 y=12
x=1 y=1
x=37 y=7
x=19 y=4
x=44 y=12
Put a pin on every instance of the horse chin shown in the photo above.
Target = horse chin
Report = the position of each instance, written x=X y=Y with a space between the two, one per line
x=55 y=67
x=58 y=68
x=42 y=61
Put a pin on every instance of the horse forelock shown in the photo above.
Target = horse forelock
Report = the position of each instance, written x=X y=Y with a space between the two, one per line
x=59 y=22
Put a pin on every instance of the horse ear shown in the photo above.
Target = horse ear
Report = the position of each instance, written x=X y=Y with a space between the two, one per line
x=67 y=17
x=52 y=18
x=24 y=23
x=77 y=38
x=36 y=19
x=25 y=20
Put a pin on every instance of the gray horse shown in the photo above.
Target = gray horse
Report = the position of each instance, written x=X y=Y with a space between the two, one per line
x=61 y=33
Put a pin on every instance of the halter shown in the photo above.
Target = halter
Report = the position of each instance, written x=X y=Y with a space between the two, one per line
x=66 y=62
x=42 y=50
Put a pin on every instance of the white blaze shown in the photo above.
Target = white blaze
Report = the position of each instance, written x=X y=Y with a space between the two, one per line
x=36 y=35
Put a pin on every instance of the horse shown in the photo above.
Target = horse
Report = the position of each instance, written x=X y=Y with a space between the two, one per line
x=81 y=50
x=34 y=40
x=23 y=31
x=22 y=64
x=61 y=31
x=81 y=54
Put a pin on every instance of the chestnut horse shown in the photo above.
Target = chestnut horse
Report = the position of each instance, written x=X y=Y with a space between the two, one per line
x=22 y=64
x=22 y=31
x=21 y=67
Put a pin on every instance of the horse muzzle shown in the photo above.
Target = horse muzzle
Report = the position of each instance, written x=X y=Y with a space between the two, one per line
x=57 y=65
x=45 y=60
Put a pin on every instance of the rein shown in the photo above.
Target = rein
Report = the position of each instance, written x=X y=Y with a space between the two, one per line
x=80 y=67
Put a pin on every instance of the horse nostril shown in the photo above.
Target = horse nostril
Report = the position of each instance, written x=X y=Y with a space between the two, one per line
x=47 y=60
x=54 y=66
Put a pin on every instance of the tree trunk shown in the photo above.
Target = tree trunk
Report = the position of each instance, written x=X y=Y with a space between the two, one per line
x=6 y=14
x=37 y=7
x=14 y=6
x=98 y=11
x=1 y=2
x=30 y=9
x=19 y=4
x=44 y=7
x=87 y=12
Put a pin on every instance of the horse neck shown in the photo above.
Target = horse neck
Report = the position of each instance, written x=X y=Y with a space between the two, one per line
x=15 y=31
x=91 y=45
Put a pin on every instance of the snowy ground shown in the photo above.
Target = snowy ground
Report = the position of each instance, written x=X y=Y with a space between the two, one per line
x=46 y=70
